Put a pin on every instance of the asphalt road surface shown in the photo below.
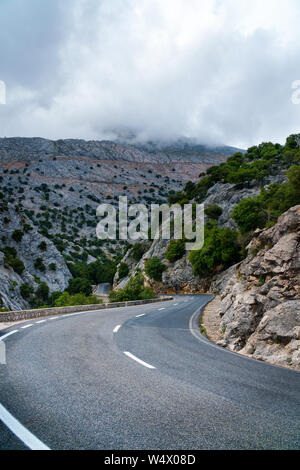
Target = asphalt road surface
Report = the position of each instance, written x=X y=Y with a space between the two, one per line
x=140 y=378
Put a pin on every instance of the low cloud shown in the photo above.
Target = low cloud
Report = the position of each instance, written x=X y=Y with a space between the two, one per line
x=217 y=70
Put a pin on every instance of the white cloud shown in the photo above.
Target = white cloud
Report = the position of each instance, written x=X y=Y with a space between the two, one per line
x=217 y=70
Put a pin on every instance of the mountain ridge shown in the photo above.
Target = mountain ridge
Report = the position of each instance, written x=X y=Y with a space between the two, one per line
x=13 y=148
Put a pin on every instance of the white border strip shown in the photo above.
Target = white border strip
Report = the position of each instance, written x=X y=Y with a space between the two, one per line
x=20 y=431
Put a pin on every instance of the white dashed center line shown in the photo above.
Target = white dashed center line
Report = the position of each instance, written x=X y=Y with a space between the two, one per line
x=8 y=334
x=26 y=326
x=20 y=431
x=142 y=315
x=161 y=309
x=117 y=329
x=41 y=321
x=138 y=360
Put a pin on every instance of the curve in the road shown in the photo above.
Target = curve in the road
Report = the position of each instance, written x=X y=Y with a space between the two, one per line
x=136 y=378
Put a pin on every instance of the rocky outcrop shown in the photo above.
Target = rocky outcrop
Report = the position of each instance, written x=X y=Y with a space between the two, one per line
x=28 y=251
x=260 y=297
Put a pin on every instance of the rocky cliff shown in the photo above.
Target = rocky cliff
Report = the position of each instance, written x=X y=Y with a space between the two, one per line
x=28 y=248
x=260 y=298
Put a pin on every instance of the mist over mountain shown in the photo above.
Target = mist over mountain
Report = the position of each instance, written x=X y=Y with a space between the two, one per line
x=160 y=151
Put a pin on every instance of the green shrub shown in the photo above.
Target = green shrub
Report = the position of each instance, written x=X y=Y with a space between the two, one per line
x=15 y=263
x=52 y=267
x=26 y=290
x=175 y=250
x=39 y=265
x=137 y=251
x=220 y=251
x=42 y=292
x=18 y=235
x=213 y=211
x=80 y=285
x=42 y=246
x=134 y=290
x=249 y=215
x=123 y=270
x=154 y=268
x=67 y=300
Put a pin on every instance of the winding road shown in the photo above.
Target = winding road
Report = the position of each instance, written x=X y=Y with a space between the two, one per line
x=139 y=378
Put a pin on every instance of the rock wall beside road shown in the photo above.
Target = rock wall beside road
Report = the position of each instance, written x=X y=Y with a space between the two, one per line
x=260 y=297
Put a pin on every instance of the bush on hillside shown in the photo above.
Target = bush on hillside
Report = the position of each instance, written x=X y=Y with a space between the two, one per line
x=154 y=268
x=213 y=211
x=123 y=270
x=175 y=250
x=67 y=300
x=80 y=285
x=134 y=290
x=220 y=251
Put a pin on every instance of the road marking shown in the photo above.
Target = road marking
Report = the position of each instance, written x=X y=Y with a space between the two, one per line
x=53 y=318
x=20 y=431
x=175 y=305
x=117 y=329
x=26 y=326
x=160 y=309
x=8 y=334
x=41 y=321
x=142 y=315
x=138 y=360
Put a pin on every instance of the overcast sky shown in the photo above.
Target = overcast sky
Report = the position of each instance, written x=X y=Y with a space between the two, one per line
x=217 y=70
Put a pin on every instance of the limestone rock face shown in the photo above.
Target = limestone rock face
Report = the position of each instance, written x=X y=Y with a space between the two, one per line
x=260 y=306
x=28 y=250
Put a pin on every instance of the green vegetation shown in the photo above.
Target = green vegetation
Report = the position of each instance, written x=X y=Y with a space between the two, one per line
x=11 y=260
x=248 y=214
x=102 y=270
x=80 y=285
x=134 y=290
x=154 y=268
x=137 y=251
x=223 y=247
x=67 y=300
x=254 y=165
x=42 y=292
x=17 y=236
x=264 y=209
x=220 y=251
x=123 y=270
x=175 y=250
x=213 y=211
x=26 y=291
x=39 y=265
x=42 y=246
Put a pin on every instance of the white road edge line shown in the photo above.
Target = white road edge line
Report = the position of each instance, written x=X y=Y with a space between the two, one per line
x=142 y=315
x=26 y=326
x=20 y=431
x=8 y=334
x=138 y=360
x=211 y=344
x=117 y=329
